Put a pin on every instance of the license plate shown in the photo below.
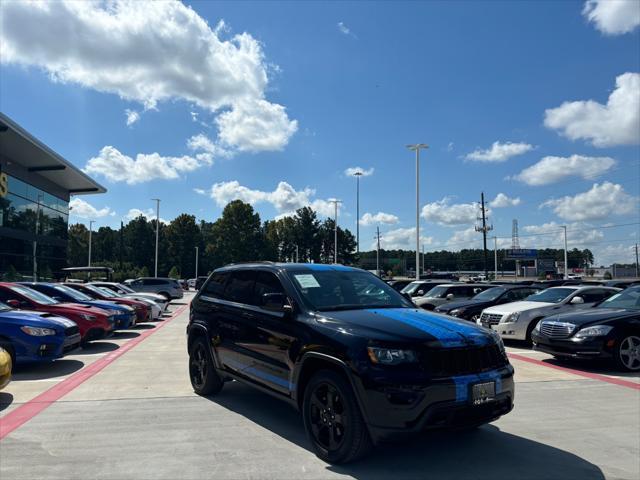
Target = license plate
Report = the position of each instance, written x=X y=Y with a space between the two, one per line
x=483 y=393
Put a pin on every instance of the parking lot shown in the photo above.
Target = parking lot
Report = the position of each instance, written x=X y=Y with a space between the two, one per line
x=124 y=408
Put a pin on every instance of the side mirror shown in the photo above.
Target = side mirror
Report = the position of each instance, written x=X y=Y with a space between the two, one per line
x=419 y=293
x=450 y=296
x=13 y=303
x=577 y=300
x=276 y=302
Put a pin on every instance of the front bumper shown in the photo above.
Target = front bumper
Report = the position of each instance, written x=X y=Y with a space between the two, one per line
x=510 y=330
x=596 y=347
x=396 y=409
x=124 y=321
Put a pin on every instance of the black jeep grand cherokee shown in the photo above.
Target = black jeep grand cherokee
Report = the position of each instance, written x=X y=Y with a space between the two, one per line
x=358 y=359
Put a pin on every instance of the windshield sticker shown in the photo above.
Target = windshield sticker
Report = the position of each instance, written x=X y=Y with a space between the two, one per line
x=307 y=281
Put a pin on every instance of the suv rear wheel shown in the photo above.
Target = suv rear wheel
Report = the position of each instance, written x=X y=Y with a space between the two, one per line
x=332 y=419
x=204 y=378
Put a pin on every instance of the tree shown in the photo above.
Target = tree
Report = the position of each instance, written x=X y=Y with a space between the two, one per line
x=236 y=235
x=78 y=245
x=139 y=241
x=182 y=236
x=174 y=273
x=306 y=234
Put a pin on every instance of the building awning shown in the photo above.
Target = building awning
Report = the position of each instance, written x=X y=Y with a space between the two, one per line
x=23 y=148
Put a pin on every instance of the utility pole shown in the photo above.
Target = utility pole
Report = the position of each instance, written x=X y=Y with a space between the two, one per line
x=495 y=258
x=484 y=229
x=423 y=258
x=416 y=148
x=358 y=174
x=637 y=275
x=197 y=248
x=335 y=202
x=157 y=200
x=566 y=265
x=91 y=222
x=377 y=237
x=121 y=243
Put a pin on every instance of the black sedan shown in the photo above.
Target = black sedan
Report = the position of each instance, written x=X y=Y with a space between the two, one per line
x=472 y=308
x=609 y=330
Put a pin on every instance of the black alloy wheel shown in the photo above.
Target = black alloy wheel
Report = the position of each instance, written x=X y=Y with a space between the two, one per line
x=204 y=378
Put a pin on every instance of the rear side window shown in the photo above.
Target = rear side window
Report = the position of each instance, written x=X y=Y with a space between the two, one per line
x=215 y=286
x=240 y=287
x=595 y=295
x=265 y=282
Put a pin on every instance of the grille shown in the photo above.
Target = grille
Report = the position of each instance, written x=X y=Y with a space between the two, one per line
x=556 y=329
x=490 y=318
x=71 y=331
x=447 y=362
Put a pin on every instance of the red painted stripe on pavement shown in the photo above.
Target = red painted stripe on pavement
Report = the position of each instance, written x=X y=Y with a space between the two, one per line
x=592 y=376
x=33 y=407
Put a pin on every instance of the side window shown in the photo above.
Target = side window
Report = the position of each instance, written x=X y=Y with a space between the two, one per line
x=595 y=295
x=519 y=294
x=266 y=282
x=215 y=286
x=240 y=287
x=9 y=295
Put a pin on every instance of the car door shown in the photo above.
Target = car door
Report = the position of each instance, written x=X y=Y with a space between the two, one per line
x=207 y=310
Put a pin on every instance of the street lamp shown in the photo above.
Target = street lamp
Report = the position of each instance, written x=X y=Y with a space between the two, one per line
x=358 y=174
x=416 y=148
x=335 y=202
x=157 y=200
x=91 y=222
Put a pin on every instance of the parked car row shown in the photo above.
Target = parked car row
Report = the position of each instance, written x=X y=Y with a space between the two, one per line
x=43 y=321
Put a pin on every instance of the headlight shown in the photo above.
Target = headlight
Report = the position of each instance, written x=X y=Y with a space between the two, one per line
x=511 y=318
x=87 y=316
x=37 y=331
x=595 y=331
x=127 y=308
x=390 y=356
x=456 y=312
x=536 y=329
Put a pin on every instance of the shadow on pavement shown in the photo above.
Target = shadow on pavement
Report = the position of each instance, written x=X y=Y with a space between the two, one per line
x=144 y=326
x=41 y=371
x=6 y=399
x=601 y=367
x=125 y=335
x=486 y=452
x=178 y=303
x=97 y=347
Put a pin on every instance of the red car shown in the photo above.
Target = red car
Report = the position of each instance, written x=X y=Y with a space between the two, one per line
x=143 y=312
x=93 y=322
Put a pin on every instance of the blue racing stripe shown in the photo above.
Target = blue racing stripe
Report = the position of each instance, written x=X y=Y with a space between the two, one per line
x=241 y=367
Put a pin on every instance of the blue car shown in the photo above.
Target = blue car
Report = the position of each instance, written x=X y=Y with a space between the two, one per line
x=125 y=316
x=36 y=336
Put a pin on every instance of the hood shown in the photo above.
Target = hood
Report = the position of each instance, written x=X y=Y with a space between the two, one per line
x=107 y=305
x=594 y=316
x=447 y=307
x=408 y=325
x=35 y=319
x=518 y=307
x=76 y=308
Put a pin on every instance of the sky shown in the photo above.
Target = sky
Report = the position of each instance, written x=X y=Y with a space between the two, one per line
x=536 y=104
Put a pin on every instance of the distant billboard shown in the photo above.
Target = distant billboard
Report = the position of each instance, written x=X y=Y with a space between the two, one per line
x=521 y=254
x=546 y=265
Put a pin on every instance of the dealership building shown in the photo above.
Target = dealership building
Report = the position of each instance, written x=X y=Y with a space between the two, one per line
x=36 y=185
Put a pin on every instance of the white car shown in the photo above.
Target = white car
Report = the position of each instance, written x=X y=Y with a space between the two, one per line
x=446 y=293
x=516 y=320
x=127 y=292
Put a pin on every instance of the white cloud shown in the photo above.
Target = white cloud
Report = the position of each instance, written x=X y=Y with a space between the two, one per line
x=285 y=199
x=552 y=169
x=616 y=123
x=499 y=152
x=151 y=52
x=617 y=253
x=345 y=30
x=353 y=170
x=401 y=238
x=149 y=214
x=380 y=217
x=132 y=116
x=450 y=147
x=601 y=201
x=200 y=191
x=81 y=209
x=613 y=17
x=443 y=213
x=503 y=201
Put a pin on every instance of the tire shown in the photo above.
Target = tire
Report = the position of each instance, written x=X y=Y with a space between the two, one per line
x=527 y=339
x=627 y=353
x=165 y=295
x=332 y=419
x=202 y=373
x=9 y=348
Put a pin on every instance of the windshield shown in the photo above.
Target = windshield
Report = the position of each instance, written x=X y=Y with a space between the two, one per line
x=628 y=299
x=75 y=294
x=490 y=294
x=34 y=295
x=551 y=295
x=4 y=307
x=345 y=290
x=412 y=287
x=124 y=288
x=106 y=292
x=438 y=292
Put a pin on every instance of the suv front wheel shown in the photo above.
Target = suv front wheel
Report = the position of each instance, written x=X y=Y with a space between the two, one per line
x=204 y=378
x=332 y=419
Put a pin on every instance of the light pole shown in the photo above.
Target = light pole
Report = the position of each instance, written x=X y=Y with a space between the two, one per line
x=566 y=266
x=157 y=200
x=358 y=174
x=495 y=258
x=91 y=222
x=416 y=148
x=335 y=202
x=196 y=263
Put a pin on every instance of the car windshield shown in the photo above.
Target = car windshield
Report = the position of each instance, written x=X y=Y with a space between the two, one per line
x=490 y=294
x=107 y=292
x=330 y=290
x=628 y=299
x=438 y=292
x=551 y=295
x=412 y=287
x=4 y=307
x=75 y=294
x=34 y=295
x=124 y=288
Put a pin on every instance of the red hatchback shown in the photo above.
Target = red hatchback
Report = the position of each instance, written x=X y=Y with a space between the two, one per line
x=93 y=322
x=143 y=312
